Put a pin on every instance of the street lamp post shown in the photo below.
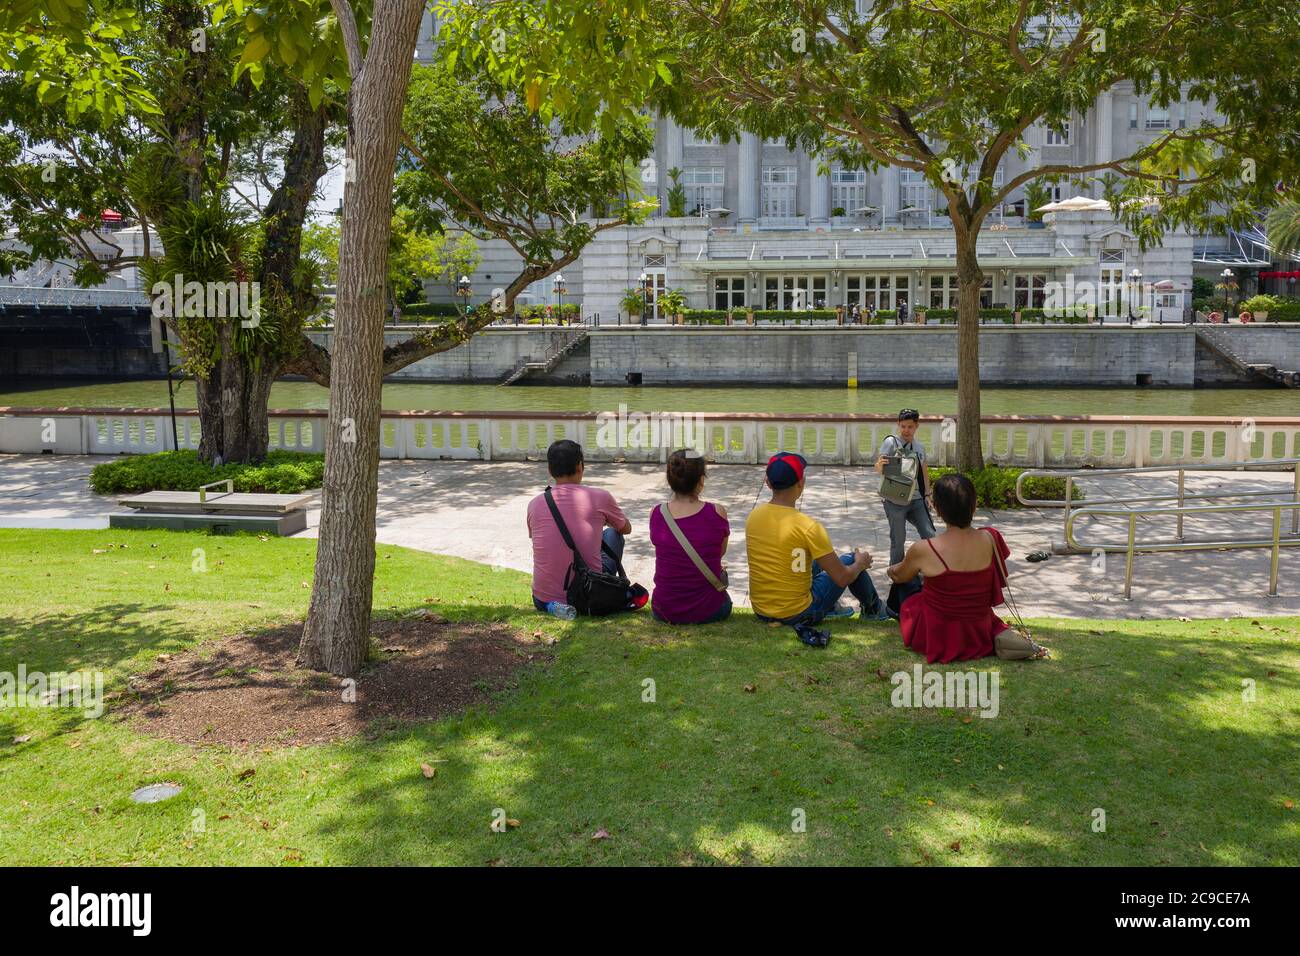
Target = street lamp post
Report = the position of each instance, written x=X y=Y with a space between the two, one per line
x=1135 y=278
x=464 y=290
x=559 y=298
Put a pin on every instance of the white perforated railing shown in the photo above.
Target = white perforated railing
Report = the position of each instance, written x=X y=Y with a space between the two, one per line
x=1028 y=441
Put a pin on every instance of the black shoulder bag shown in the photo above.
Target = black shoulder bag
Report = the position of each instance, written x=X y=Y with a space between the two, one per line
x=591 y=592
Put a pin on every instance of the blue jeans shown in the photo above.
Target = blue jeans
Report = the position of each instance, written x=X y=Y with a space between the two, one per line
x=899 y=515
x=826 y=594
x=614 y=541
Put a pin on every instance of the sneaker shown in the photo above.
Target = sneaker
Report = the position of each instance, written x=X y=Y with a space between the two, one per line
x=565 y=612
x=880 y=613
x=840 y=610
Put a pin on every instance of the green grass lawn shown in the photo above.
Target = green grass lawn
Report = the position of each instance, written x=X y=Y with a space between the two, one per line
x=1145 y=720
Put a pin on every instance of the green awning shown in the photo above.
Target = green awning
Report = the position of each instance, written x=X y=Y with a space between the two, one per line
x=885 y=265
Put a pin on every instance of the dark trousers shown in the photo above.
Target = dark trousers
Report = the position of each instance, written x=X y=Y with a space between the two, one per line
x=899 y=516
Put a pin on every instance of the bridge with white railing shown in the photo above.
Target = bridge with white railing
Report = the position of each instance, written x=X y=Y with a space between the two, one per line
x=71 y=297
x=1022 y=441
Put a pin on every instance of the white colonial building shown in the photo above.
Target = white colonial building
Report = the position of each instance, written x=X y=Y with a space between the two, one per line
x=770 y=228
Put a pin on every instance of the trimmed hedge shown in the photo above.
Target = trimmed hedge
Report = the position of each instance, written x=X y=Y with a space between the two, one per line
x=283 y=472
x=707 y=317
x=429 y=309
x=777 y=315
x=995 y=486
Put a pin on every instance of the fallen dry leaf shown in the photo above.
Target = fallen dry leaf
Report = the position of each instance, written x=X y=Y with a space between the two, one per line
x=601 y=834
x=750 y=688
x=429 y=771
x=22 y=738
x=245 y=774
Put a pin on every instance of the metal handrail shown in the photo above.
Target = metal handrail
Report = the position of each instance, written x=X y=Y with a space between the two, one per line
x=1181 y=497
x=1276 y=543
x=203 y=489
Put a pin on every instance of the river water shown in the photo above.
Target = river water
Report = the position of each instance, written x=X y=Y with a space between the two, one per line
x=929 y=401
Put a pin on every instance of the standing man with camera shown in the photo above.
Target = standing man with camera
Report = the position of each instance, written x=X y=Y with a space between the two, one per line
x=905 y=484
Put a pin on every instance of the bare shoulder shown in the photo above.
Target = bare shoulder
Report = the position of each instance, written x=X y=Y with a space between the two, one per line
x=720 y=508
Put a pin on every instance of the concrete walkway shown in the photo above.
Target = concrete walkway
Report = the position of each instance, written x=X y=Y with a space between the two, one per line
x=476 y=511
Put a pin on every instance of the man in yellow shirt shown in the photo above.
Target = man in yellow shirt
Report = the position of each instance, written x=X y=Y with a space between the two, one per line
x=795 y=576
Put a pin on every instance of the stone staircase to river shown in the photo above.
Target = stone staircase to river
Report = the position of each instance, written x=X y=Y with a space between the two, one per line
x=561 y=347
x=1219 y=343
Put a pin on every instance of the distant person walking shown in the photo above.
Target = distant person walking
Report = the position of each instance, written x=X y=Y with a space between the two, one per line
x=905 y=484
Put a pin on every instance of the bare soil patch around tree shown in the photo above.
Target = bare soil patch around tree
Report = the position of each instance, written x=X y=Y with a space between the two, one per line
x=247 y=691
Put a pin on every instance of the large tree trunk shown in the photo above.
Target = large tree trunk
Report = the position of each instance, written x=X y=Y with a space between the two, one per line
x=234 y=396
x=970 y=454
x=232 y=403
x=337 y=632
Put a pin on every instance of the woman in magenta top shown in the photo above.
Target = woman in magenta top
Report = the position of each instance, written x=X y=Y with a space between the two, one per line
x=951 y=618
x=682 y=594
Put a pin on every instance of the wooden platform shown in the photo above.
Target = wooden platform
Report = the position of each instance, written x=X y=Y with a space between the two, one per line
x=220 y=513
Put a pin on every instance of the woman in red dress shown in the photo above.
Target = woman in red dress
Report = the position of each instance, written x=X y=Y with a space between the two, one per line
x=951 y=618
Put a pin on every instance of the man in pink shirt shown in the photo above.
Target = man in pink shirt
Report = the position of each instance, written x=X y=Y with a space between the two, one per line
x=591 y=515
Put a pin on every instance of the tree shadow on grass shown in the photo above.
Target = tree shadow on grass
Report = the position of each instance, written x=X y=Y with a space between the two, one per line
x=105 y=640
x=1148 y=727
x=103 y=637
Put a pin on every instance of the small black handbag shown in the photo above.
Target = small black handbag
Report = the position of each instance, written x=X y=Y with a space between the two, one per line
x=592 y=592
x=898 y=593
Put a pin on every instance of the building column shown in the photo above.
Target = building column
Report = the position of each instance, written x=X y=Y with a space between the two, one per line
x=674 y=141
x=1103 y=135
x=674 y=145
x=889 y=189
x=819 y=194
x=748 y=178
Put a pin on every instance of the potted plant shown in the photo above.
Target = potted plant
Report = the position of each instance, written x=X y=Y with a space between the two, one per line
x=632 y=302
x=1260 y=305
x=672 y=302
x=749 y=315
x=1036 y=194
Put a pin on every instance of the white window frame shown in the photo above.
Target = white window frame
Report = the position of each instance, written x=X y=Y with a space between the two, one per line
x=883 y=290
x=704 y=187
x=1158 y=117
x=848 y=189
x=780 y=191
x=796 y=291
x=914 y=190
x=1052 y=138
x=1033 y=285
x=729 y=292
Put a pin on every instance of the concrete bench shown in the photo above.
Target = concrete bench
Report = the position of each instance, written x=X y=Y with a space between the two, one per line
x=221 y=512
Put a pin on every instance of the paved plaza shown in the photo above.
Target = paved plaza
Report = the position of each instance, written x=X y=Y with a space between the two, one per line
x=476 y=511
